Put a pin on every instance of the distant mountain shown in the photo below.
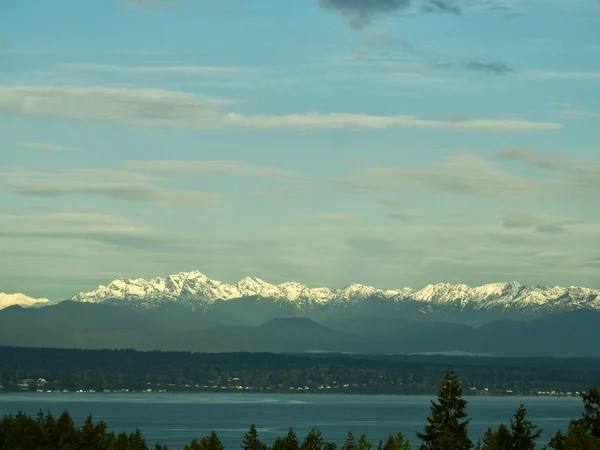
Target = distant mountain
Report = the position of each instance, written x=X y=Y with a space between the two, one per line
x=94 y=326
x=7 y=300
x=468 y=304
x=76 y=325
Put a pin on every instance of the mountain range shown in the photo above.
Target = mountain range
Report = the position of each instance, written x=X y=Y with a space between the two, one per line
x=189 y=311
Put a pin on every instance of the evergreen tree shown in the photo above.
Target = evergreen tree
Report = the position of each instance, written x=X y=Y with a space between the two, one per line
x=160 y=446
x=69 y=434
x=363 y=443
x=523 y=436
x=396 y=442
x=591 y=415
x=583 y=433
x=251 y=440
x=447 y=424
x=288 y=442
x=313 y=440
x=350 y=442
x=501 y=439
x=136 y=441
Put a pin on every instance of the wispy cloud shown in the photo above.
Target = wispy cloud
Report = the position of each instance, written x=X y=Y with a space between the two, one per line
x=575 y=113
x=490 y=68
x=94 y=227
x=116 y=191
x=147 y=107
x=582 y=173
x=109 y=183
x=555 y=75
x=540 y=223
x=153 y=4
x=461 y=174
x=336 y=217
x=228 y=168
x=47 y=146
x=361 y=13
x=162 y=69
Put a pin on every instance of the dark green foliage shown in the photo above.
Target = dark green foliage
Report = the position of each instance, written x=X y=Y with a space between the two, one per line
x=583 y=433
x=363 y=443
x=496 y=440
x=251 y=440
x=447 y=427
x=313 y=440
x=395 y=442
x=183 y=371
x=350 y=443
x=288 y=442
x=523 y=434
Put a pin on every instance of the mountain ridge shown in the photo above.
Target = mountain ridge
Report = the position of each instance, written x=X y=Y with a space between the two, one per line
x=19 y=299
x=198 y=290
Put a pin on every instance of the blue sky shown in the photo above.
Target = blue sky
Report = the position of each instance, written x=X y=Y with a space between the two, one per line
x=385 y=142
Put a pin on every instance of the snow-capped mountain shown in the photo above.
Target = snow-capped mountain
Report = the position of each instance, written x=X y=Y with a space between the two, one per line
x=7 y=300
x=196 y=289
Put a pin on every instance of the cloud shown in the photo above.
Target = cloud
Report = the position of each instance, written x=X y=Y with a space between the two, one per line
x=185 y=70
x=540 y=223
x=336 y=217
x=112 y=184
x=361 y=13
x=153 y=4
x=156 y=108
x=228 y=168
x=102 y=228
x=47 y=146
x=117 y=191
x=575 y=113
x=582 y=173
x=459 y=174
x=490 y=68
x=553 y=75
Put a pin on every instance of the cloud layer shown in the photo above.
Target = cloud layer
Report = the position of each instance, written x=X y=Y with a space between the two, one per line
x=360 y=13
x=163 y=108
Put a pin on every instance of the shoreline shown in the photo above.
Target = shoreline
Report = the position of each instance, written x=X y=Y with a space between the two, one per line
x=282 y=393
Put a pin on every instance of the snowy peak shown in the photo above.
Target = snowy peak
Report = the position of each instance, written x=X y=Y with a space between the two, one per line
x=7 y=300
x=197 y=289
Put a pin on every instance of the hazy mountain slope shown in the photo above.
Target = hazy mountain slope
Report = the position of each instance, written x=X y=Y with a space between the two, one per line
x=278 y=335
x=75 y=325
x=84 y=325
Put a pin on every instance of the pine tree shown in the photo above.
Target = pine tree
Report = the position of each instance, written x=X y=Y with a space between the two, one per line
x=288 y=442
x=447 y=424
x=313 y=440
x=583 y=433
x=349 y=443
x=501 y=439
x=523 y=436
x=251 y=440
x=591 y=415
x=363 y=443
x=396 y=442
x=136 y=441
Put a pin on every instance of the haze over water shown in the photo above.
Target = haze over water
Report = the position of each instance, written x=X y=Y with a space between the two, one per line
x=175 y=419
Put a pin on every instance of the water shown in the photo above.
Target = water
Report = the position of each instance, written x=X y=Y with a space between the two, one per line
x=175 y=418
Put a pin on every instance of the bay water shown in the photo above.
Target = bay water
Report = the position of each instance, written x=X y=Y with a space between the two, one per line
x=177 y=418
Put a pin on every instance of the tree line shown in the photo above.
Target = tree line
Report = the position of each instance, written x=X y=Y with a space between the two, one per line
x=446 y=428
x=72 y=370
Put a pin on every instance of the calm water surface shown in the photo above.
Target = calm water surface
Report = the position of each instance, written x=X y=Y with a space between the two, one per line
x=175 y=418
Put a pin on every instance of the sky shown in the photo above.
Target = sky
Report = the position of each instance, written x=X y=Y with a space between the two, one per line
x=392 y=143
